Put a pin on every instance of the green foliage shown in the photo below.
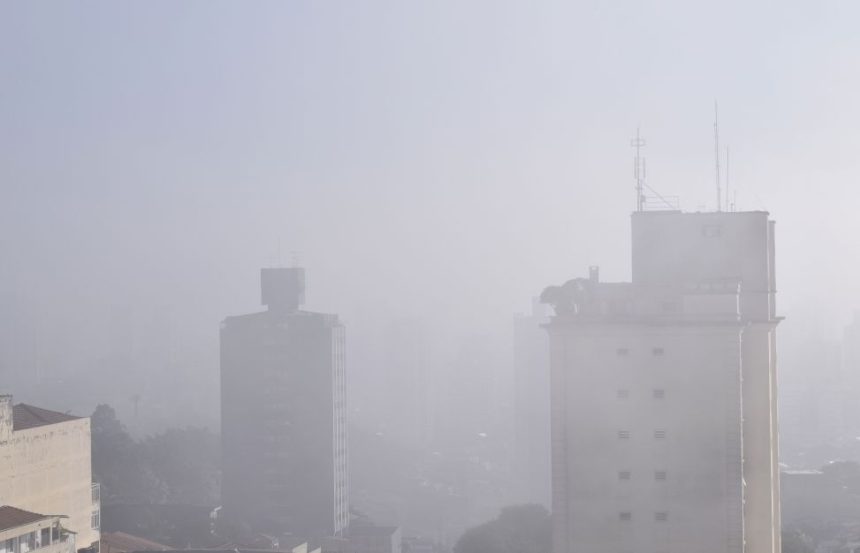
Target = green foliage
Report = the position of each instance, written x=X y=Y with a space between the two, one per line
x=176 y=466
x=517 y=529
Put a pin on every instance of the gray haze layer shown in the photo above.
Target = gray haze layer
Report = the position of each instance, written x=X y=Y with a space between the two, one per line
x=435 y=164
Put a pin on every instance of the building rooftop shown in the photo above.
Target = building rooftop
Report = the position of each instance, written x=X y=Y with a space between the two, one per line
x=120 y=542
x=371 y=530
x=28 y=416
x=13 y=517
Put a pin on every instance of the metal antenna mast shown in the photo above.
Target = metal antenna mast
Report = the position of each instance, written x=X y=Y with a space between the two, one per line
x=717 y=155
x=729 y=205
x=639 y=170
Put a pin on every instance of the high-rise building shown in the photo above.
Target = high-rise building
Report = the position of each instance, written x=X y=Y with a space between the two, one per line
x=664 y=426
x=283 y=415
x=46 y=467
x=531 y=452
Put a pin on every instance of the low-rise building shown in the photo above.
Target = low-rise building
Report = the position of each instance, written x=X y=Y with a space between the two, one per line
x=375 y=539
x=46 y=467
x=25 y=532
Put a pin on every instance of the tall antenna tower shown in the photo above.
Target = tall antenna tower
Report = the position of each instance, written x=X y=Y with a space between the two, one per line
x=729 y=204
x=639 y=170
x=717 y=156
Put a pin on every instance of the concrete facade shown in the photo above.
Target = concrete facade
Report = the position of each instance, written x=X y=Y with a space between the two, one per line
x=283 y=415
x=664 y=435
x=531 y=452
x=46 y=467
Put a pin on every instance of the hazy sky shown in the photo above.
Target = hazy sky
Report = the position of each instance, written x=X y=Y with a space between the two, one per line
x=439 y=160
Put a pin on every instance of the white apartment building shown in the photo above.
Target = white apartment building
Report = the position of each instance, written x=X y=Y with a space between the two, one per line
x=663 y=402
x=46 y=467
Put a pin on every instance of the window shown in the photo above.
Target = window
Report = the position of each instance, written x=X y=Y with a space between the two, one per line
x=659 y=434
x=661 y=516
x=623 y=394
x=623 y=434
x=622 y=352
x=659 y=393
x=27 y=542
x=95 y=520
x=625 y=515
x=624 y=475
x=657 y=351
x=46 y=537
x=660 y=475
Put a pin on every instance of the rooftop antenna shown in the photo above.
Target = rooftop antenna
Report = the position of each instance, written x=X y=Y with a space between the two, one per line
x=729 y=205
x=717 y=155
x=639 y=170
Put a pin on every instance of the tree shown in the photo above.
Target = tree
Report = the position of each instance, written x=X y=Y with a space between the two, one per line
x=117 y=465
x=176 y=466
x=186 y=461
x=517 y=529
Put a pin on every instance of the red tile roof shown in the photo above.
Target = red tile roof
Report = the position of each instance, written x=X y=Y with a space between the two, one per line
x=27 y=416
x=120 y=542
x=12 y=517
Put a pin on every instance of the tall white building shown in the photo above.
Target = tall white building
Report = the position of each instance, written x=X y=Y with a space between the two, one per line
x=663 y=407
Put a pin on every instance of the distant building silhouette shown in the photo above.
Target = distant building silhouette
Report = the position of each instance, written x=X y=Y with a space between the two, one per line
x=283 y=415
x=531 y=452
x=664 y=428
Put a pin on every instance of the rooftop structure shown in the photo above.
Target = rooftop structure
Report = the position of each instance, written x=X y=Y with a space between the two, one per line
x=663 y=404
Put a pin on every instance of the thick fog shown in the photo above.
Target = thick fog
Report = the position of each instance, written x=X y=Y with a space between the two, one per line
x=433 y=166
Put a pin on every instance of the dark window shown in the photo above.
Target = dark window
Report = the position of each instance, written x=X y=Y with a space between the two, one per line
x=625 y=515
x=623 y=434
x=659 y=434
x=660 y=475
x=623 y=394
x=657 y=351
x=622 y=352
x=659 y=393
x=624 y=475
x=661 y=516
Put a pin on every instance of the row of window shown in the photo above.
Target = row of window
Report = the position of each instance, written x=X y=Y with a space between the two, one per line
x=624 y=352
x=625 y=434
x=659 y=516
x=657 y=393
x=30 y=540
x=659 y=475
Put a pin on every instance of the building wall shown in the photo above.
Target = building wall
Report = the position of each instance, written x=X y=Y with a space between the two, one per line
x=531 y=452
x=717 y=363
x=283 y=423
x=604 y=392
x=48 y=470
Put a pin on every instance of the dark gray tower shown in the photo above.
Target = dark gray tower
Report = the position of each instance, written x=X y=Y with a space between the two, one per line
x=283 y=415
